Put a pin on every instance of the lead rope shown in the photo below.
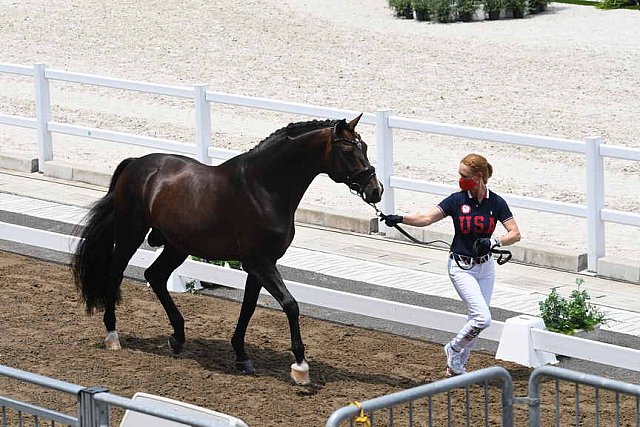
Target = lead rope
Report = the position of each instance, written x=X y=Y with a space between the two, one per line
x=501 y=252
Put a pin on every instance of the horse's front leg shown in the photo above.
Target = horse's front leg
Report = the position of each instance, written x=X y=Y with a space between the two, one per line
x=272 y=281
x=251 y=293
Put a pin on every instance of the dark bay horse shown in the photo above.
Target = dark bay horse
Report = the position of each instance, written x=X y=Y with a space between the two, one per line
x=242 y=209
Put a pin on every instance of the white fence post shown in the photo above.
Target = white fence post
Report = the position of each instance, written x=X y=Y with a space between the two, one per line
x=595 y=203
x=384 y=143
x=43 y=115
x=203 y=124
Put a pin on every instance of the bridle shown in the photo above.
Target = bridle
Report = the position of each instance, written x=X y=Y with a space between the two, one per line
x=358 y=181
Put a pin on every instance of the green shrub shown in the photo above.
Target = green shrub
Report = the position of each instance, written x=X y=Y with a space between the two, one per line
x=490 y=5
x=616 y=4
x=401 y=7
x=420 y=5
x=236 y=265
x=465 y=6
x=441 y=10
x=565 y=316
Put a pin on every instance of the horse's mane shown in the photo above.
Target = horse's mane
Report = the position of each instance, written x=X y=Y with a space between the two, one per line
x=291 y=131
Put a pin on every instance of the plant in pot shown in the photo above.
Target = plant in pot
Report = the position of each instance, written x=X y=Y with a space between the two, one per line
x=493 y=8
x=533 y=6
x=542 y=5
x=421 y=9
x=465 y=10
x=516 y=7
x=402 y=8
x=440 y=10
x=572 y=315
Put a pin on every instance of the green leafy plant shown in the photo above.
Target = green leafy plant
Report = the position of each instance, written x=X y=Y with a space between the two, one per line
x=566 y=316
x=493 y=5
x=236 y=265
x=616 y=4
x=466 y=6
x=402 y=8
x=517 y=7
x=421 y=7
x=190 y=286
x=441 y=10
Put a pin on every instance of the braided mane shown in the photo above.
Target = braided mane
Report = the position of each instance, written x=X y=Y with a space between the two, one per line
x=291 y=131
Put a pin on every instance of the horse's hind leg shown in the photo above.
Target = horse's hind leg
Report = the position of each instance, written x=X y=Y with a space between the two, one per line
x=157 y=274
x=127 y=242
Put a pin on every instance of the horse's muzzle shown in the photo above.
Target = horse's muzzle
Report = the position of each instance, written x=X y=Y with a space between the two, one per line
x=366 y=185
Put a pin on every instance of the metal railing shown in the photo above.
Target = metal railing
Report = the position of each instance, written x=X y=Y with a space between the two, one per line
x=593 y=149
x=419 y=400
x=596 y=383
x=404 y=407
x=93 y=405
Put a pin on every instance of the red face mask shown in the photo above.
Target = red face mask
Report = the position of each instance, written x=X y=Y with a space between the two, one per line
x=467 y=184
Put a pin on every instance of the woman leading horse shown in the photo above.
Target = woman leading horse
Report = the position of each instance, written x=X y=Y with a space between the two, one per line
x=242 y=209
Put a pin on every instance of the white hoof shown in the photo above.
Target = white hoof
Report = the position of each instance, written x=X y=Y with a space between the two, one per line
x=112 y=342
x=300 y=373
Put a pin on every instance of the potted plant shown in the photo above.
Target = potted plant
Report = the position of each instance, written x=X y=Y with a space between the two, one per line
x=493 y=8
x=440 y=10
x=421 y=9
x=402 y=8
x=193 y=286
x=533 y=6
x=516 y=7
x=572 y=315
x=465 y=10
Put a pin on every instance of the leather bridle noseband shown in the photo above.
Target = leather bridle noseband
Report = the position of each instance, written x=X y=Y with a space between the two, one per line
x=358 y=181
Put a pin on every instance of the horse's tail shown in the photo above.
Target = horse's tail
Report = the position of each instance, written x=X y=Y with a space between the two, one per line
x=92 y=259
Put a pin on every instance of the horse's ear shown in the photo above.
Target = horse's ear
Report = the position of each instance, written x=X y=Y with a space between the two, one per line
x=341 y=125
x=354 y=122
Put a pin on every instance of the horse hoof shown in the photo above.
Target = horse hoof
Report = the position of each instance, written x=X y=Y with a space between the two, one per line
x=245 y=367
x=300 y=373
x=175 y=345
x=111 y=342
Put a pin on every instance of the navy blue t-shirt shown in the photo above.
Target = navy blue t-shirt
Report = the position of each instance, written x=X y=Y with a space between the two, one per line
x=472 y=219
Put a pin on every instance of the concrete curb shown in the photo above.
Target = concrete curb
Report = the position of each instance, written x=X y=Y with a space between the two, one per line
x=18 y=162
x=529 y=253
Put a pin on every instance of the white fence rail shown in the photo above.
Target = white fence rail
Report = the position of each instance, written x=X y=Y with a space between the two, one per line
x=594 y=149
x=407 y=314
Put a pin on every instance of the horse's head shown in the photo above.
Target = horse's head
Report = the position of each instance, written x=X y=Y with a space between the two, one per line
x=348 y=162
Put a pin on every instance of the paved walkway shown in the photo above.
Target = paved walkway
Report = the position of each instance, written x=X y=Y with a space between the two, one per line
x=371 y=259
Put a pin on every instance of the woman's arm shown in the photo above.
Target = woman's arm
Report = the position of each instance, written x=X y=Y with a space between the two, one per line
x=513 y=233
x=422 y=219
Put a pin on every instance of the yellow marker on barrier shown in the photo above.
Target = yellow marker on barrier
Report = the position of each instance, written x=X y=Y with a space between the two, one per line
x=361 y=420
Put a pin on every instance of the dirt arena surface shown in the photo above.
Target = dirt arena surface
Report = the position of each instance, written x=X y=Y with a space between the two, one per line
x=45 y=331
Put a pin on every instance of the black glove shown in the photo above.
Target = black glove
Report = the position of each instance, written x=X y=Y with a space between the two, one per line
x=391 y=219
x=483 y=246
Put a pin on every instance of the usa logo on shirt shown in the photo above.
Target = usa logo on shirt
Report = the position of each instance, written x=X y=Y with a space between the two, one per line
x=465 y=209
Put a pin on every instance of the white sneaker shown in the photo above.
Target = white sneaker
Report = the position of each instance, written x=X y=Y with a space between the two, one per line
x=454 y=359
x=449 y=373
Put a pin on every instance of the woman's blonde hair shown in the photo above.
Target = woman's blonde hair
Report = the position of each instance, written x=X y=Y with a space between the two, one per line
x=478 y=164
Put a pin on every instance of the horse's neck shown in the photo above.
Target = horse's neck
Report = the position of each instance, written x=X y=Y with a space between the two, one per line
x=288 y=168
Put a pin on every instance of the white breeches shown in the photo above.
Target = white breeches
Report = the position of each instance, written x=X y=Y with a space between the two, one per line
x=475 y=287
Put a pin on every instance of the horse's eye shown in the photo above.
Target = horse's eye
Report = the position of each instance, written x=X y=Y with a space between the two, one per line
x=347 y=148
